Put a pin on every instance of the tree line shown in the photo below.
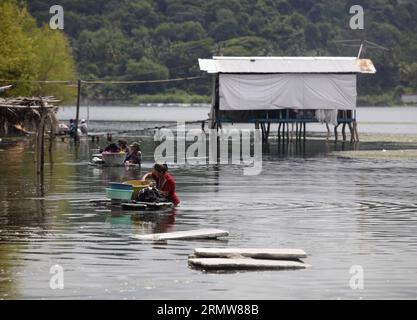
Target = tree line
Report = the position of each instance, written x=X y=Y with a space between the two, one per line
x=161 y=39
x=33 y=54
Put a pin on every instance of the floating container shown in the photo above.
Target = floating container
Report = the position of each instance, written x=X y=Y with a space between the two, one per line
x=119 y=194
x=120 y=186
x=114 y=159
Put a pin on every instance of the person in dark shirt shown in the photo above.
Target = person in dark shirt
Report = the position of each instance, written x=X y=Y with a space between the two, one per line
x=112 y=147
x=71 y=129
x=135 y=155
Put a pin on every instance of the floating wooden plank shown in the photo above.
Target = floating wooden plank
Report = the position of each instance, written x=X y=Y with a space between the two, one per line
x=245 y=264
x=184 y=235
x=258 y=253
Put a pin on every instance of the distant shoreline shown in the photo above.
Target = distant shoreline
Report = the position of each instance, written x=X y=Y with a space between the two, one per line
x=202 y=105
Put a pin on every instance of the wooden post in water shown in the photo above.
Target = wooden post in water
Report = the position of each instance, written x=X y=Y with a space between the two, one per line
x=344 y=131
x=77 y=116
x=288 y=132
x=355 y=130
x=304 y=130
x=279 y=131
x=40 y=150
x=335 y=131
x=352 y=137
x=295 y=130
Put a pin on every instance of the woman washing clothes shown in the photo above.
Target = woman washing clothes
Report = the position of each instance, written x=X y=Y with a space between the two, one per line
x=165 y=183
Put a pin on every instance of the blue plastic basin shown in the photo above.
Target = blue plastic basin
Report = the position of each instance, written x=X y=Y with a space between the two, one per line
x=119 y=194
x=120 y=186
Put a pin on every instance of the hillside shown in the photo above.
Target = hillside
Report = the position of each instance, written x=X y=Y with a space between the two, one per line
x=160 y=39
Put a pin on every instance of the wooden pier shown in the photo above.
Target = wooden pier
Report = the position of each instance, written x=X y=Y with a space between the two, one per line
x=38 y=113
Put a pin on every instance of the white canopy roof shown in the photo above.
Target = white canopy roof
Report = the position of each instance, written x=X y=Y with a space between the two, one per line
x=286 y=65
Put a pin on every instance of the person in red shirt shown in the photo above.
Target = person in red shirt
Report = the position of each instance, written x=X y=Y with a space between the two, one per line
x=165 y=183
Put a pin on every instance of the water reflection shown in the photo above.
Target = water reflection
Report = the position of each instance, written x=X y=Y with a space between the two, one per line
x=341 y=211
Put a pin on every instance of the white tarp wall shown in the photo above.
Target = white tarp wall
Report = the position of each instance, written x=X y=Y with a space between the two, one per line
x=295 y=91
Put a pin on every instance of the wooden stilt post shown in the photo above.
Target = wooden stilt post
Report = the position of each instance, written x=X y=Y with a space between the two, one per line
x=52 y=132
x=262 y=131
x=344 y=131
x=283 y=131
x=288 y=132
x=352 y=137
x=40 y=151
x=305 y=128
x=328 y=131
x=268 y=130
x=355 y=130
x=335 y=131
x=297 y=136
x=292 y=131
x=77 y=116
x=279 y=133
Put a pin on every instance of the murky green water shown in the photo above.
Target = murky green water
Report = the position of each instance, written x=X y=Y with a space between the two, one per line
x=341 y=211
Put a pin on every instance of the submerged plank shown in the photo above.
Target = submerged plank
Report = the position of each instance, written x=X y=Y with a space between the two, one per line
x=258 y=253
x=133 y=206
x=191 y=234
x=245 y=264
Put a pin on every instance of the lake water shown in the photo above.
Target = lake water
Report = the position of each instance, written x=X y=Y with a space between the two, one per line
x=343 y=212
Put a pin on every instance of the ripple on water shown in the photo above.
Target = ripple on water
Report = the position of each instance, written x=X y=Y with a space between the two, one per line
x=342 y=212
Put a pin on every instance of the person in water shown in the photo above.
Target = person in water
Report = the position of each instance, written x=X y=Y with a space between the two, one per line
x=123 y=146
x=71 y=129
x=165 y=183
x=112 y=147
x=135 y=155
x=83 y=127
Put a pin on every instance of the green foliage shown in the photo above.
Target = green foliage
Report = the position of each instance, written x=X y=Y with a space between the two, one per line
x=176 y=96
x=29 y=53
x=156 y=39
x=18 y=59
